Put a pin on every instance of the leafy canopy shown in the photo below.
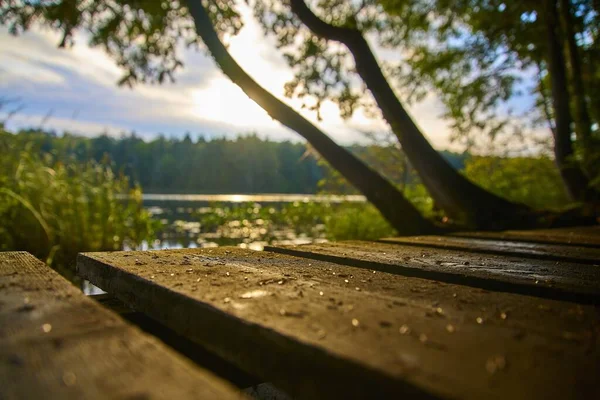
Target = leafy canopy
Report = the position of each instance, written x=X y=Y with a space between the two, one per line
x=144 y=37
x=473 y=53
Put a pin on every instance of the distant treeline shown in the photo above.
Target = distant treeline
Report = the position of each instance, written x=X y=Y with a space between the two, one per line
x=247 y=164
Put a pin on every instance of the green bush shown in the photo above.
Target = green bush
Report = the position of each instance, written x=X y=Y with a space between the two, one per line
x=532 y=181
x=356 y=221
x=55 y=210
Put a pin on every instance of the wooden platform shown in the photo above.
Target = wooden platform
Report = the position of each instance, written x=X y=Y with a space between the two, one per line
x=57 y=344
x=427 y=317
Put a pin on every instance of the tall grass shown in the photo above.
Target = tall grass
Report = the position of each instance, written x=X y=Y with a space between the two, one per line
x=55 y=210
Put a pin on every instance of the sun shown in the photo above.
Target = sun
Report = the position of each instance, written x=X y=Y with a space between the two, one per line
x=223 y=101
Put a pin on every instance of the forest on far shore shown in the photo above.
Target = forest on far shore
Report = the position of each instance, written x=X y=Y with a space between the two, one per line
x=246 y=164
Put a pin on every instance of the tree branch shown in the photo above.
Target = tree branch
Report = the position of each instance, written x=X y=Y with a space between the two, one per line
x=452 y=191
x=389 y=201
x=322 y=28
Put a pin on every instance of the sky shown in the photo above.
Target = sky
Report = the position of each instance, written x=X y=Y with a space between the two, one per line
x=76 y=90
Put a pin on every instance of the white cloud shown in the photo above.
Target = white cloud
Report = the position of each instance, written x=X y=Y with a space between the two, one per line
x=14 y=67
x=58 y=124
x=83 y=80
x=39 y=47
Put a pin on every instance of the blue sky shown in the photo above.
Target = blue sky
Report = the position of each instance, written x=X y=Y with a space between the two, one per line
x=77 y=86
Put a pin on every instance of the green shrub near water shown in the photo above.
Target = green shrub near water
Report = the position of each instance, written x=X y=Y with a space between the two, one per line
x=55 y=210
x=534 y=181
x=337 y=221
x=357 y=221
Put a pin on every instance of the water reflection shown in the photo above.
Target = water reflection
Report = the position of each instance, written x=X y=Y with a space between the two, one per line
x=195 y=221
x=247 y=221
x=254 y=198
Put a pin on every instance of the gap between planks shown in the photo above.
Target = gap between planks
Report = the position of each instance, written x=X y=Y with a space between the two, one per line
x=559 y=281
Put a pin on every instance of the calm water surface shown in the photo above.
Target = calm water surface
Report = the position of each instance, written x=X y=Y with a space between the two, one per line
x=184 y=220
x=254 y=198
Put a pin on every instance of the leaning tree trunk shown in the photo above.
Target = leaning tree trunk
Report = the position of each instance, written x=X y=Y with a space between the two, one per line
x=583 y=122
x=402 y=215
x=573 y=178
x=452 y=191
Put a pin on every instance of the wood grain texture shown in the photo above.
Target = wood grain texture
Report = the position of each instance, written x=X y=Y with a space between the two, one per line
x=185 y=347
x=57 y=344
x=585 y=236
x=540 y=278
x=552 y=252
x=323 y=330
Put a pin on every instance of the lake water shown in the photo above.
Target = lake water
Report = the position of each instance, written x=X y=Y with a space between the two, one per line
x=243 y=220
x=254 y=198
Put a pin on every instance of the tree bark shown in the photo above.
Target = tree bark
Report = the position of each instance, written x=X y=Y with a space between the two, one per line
x=583 y=122
x=401 y=214
x=575 y=181
x=452 y=191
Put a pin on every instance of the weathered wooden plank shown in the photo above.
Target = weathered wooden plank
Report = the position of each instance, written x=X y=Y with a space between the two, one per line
x=323 y=330
x=198 y=354
x=552 y=252
x=57 y=344
x=585 y=236
x=547 y=279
